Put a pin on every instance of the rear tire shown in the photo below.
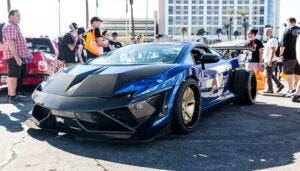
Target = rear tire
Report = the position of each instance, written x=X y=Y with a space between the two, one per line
x=244 y=83
x=187 y=107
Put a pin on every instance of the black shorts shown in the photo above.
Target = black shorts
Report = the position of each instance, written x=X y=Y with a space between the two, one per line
x=291 y=66
x=14 y=70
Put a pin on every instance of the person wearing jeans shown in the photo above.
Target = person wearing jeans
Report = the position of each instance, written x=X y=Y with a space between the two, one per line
x=270 y=59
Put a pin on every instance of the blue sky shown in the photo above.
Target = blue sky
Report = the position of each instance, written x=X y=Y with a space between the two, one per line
x=40 y=17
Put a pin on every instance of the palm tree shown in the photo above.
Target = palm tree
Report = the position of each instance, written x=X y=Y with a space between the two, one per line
x=201 y=32
x=236 y=34
x=183 y=30
x=87 y=14
x=219 y=31
x=230 y=12
x=8 y=6
x=132 y=20
x=244 y=23
x=226 y=27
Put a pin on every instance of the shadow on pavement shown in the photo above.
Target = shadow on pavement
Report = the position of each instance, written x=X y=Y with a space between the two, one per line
x=13 y=121
x=230 y=138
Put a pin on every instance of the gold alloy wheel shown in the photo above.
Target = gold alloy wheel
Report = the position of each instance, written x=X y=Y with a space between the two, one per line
x=188 y=105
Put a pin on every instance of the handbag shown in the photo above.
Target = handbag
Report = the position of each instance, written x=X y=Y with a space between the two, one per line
x=91 y=45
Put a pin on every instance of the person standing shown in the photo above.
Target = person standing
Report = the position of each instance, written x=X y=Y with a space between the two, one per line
x=93 y=39
x=269 y=56
x=114 y=41
x=15 y=53
x=67 y=48
x=288 y=52
x=80 y=44
x=107 y=47
x=255 y=54
x=296 y=98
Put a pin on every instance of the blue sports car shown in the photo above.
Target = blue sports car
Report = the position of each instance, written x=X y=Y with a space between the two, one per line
x=141 y=91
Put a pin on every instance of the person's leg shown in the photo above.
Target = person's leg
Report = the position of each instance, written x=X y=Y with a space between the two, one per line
x=11 y=86
x=20 y=80
x=269 y=78
x=288 y=68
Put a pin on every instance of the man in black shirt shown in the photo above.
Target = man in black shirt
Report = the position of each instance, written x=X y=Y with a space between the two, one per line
x=95 y=23
x=68 y=44
x=288 y=51
x=114 y=41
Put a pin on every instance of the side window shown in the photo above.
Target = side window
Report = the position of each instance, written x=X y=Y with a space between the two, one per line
x=189 y=60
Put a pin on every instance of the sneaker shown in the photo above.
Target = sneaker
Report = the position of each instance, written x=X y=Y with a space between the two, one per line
x=290 y=93
x=280 y=88
x=21 y=95
x=13 y=99
x=268 y=91
x=296 y=99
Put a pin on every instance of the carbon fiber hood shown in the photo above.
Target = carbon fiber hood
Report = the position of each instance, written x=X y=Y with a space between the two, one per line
x=100 y=81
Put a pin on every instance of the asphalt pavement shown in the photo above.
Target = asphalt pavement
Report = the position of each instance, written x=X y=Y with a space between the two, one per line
x=264 y=136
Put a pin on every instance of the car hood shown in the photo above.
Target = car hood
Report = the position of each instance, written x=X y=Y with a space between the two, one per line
x=99 y=81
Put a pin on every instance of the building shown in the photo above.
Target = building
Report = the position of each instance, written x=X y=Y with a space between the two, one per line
x=123 y=27
x=213 y=14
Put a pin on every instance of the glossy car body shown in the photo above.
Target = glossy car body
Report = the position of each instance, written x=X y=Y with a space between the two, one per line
x=44 y=62
x=132 y=101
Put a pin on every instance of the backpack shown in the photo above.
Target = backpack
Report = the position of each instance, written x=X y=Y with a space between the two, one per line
x=277 y=53
x=61 y=47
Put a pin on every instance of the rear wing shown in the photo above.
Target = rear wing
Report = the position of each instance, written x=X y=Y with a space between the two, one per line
x=231 y=48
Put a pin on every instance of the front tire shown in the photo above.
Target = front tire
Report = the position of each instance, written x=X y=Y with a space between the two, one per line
x=187 y=107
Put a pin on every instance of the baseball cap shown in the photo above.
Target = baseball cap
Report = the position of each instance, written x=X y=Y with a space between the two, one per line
x=114 y=34
x=73 y=25
x=96 y=19
x=80 y=30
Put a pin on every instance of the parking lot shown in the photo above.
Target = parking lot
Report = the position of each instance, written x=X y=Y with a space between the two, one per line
x=263 y=136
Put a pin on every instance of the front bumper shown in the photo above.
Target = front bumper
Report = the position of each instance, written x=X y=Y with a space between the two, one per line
x=116 y=118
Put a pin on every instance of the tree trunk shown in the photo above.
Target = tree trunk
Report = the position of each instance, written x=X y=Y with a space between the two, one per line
x=8 y=6
x=86 y=14
x=132 y=21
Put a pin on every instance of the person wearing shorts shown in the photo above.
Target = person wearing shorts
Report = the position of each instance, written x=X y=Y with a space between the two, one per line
x=15 y=53
x=255 y=54
x=288 y=52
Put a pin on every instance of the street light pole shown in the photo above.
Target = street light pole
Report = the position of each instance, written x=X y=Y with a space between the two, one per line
x=59 y=22
x=146 y=36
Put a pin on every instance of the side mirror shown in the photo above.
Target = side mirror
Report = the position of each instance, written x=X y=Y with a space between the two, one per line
x=209 y=58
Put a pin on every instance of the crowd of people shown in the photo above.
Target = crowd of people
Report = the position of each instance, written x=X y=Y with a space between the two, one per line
x=275 y=56
x=79 y=45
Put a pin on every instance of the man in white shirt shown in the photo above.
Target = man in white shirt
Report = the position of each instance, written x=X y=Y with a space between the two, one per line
x=269 y=56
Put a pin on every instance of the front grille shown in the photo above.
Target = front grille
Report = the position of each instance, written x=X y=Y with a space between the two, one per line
x=96 y=121
x=123 y=115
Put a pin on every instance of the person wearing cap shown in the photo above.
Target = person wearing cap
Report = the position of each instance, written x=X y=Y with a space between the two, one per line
x=67 y=47
x=95 y=50
x=114 y=40
x=80 y=43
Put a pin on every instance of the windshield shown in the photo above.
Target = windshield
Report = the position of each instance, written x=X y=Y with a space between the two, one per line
x=141 y=54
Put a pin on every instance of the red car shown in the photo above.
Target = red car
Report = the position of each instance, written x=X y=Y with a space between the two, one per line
x=44 y=62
